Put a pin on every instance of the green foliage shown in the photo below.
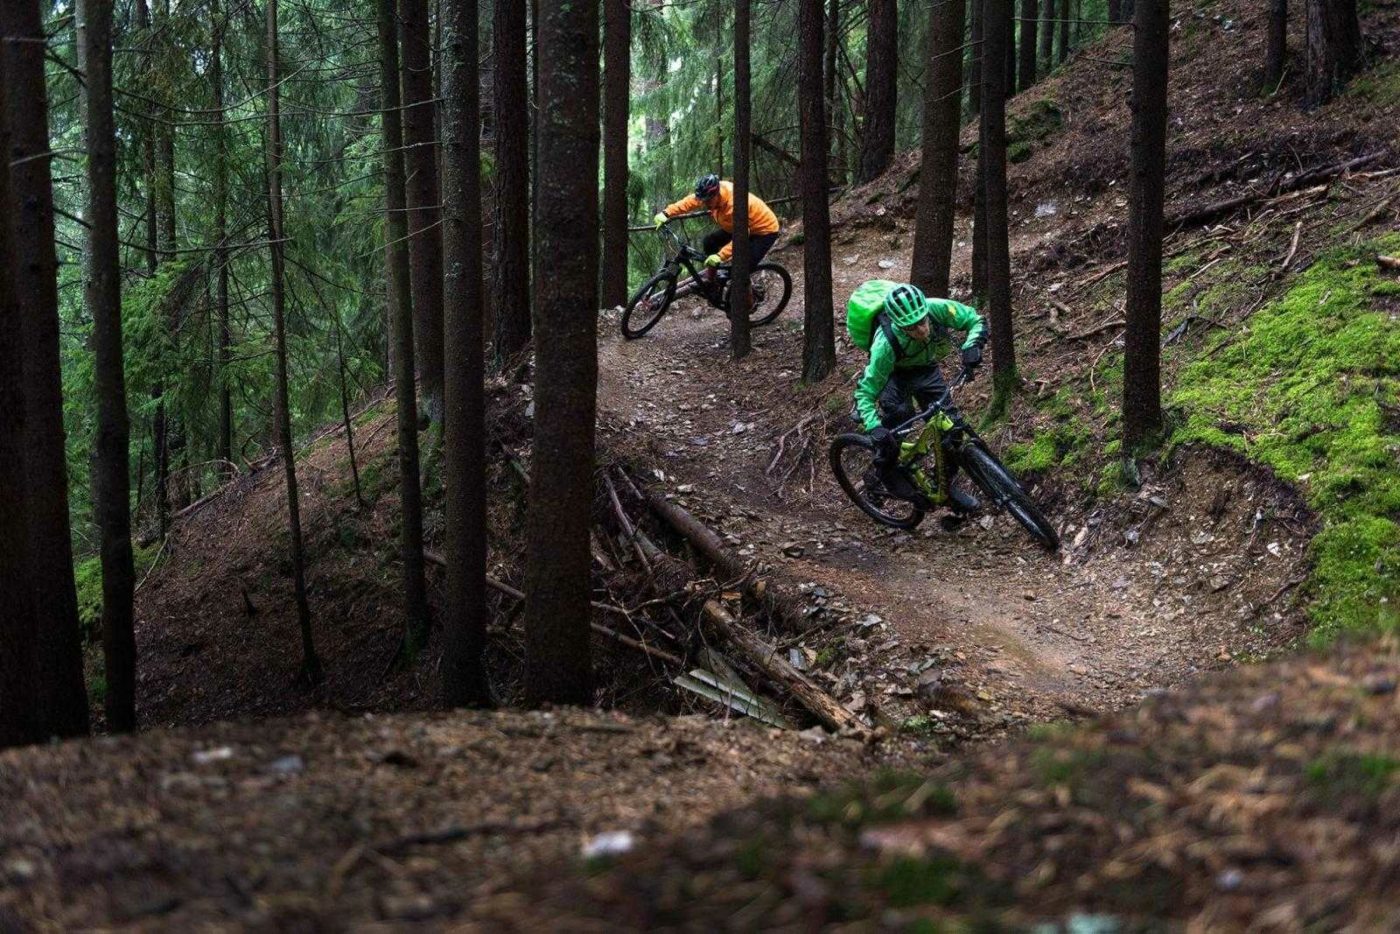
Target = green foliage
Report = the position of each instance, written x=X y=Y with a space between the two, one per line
x=1310 y=389
x=909 y=881
x=87 y=575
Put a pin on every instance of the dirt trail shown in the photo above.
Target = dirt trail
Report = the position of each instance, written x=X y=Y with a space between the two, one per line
x=1010 y=633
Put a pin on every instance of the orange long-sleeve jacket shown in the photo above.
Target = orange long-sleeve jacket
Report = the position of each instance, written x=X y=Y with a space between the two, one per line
x=762 y=220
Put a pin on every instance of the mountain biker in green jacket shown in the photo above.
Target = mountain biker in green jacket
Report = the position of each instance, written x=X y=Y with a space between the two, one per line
x=903 y=369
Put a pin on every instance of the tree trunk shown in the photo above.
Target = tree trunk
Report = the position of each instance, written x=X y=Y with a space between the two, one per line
x=938 y=174
x=1115 y=11
x=142 y=16
x=510 y=274
x=60 y=702
x=881 y=89
x=464 y=680
x=20 y=716
x=310 y=664
x=739 y=344
x=996 y=33
x=425 y=234
x=834 y=109
x=979 y=224
x=1142 y=346
x=617 y=52
x=1009 y=48
x=719 y=114
x=1025 y=68
x=974 y=72
x=1047 y=36
x=224 y=445
x=1334 y=48
x=103 y=300
x=558 y=554
x=1276 y=51
x=415 y=591
x=1064 y=32
x=818 y=324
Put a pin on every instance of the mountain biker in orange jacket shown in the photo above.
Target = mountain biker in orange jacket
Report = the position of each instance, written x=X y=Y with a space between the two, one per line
x=717 y=197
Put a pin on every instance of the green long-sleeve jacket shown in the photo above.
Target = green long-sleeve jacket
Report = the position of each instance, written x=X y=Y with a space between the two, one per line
x=947 y=315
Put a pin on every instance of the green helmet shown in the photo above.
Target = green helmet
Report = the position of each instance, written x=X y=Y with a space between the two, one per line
x=906 y=305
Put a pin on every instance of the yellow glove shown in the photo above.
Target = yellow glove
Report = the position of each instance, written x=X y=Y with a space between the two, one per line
x=660 y=219
x=713 y=260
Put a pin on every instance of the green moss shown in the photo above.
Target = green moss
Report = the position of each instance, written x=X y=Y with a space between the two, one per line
x=87 y=576
x=1380 y=85
x=1064 y=766
x=1040 y=121
x=908 y=881
x=1018 y=151
x=1310 y=389
x=1342 y=775
x=891 y=796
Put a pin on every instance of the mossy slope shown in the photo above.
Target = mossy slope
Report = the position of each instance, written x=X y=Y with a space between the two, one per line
x=1310 y=389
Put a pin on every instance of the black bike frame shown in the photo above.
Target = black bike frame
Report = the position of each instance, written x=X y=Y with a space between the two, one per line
x=686 y=255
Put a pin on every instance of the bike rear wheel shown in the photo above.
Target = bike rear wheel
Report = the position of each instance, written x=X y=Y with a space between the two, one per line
x=772 y=287
x=853 y=463
x=1007 y=493
x=649 y=304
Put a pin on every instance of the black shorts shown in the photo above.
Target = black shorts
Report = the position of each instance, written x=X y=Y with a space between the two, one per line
x=759 y=246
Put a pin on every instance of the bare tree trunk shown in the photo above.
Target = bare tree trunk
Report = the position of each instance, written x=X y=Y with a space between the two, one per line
x=102 y=297
x=739 y=344
x=558 y=557
x=974 y=74
x=1064 y=31
x=1142 y=346
x=1009 y=47
x=938 y=175
x=719 y=113
x=345 y=410
x=1047 y=36
x=617 y=42
x=60 y=702
x=834 y=110
x=1025 y=69
x=20 y=717
x=224 y=446
x=979 y=224
x=1276 y=52
x=881 y=89
x=1115 y=11
x=818 y=324
x=415 y=589
x=425 y=234
x=1334 y=47
x=464 y=681
x=996 y=33
x=310 y=664
x=510 y=282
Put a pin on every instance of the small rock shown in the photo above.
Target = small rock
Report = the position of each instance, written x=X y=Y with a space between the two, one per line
x=1274 y=549
x=287 y=765
x=1229 y=880
x=217 y=754
x=886 y=264
x=1379 y=684
x=814 y=735
x=1201 y=537
x=609 y=843
x=792 y=550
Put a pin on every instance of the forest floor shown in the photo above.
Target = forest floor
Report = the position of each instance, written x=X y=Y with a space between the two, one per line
x=1265 y=786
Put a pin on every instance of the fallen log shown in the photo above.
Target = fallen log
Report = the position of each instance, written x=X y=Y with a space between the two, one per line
x=767 y=659
x=778 y=599
x=1195 y=216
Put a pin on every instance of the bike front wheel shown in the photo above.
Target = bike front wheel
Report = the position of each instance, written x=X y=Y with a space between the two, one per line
x=1007 y=493
x=853 y=463
x=772 y=287
x=649 y=304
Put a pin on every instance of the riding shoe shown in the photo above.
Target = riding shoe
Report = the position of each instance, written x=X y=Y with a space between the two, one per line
x=962 y=503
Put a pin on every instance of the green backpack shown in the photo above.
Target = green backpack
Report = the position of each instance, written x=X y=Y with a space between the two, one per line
x=865 y=312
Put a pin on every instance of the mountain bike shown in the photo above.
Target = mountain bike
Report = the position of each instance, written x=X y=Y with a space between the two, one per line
x=900 y=497
x=770 y=284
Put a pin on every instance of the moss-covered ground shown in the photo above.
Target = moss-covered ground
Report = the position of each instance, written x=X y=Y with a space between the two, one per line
x=1309 y=388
